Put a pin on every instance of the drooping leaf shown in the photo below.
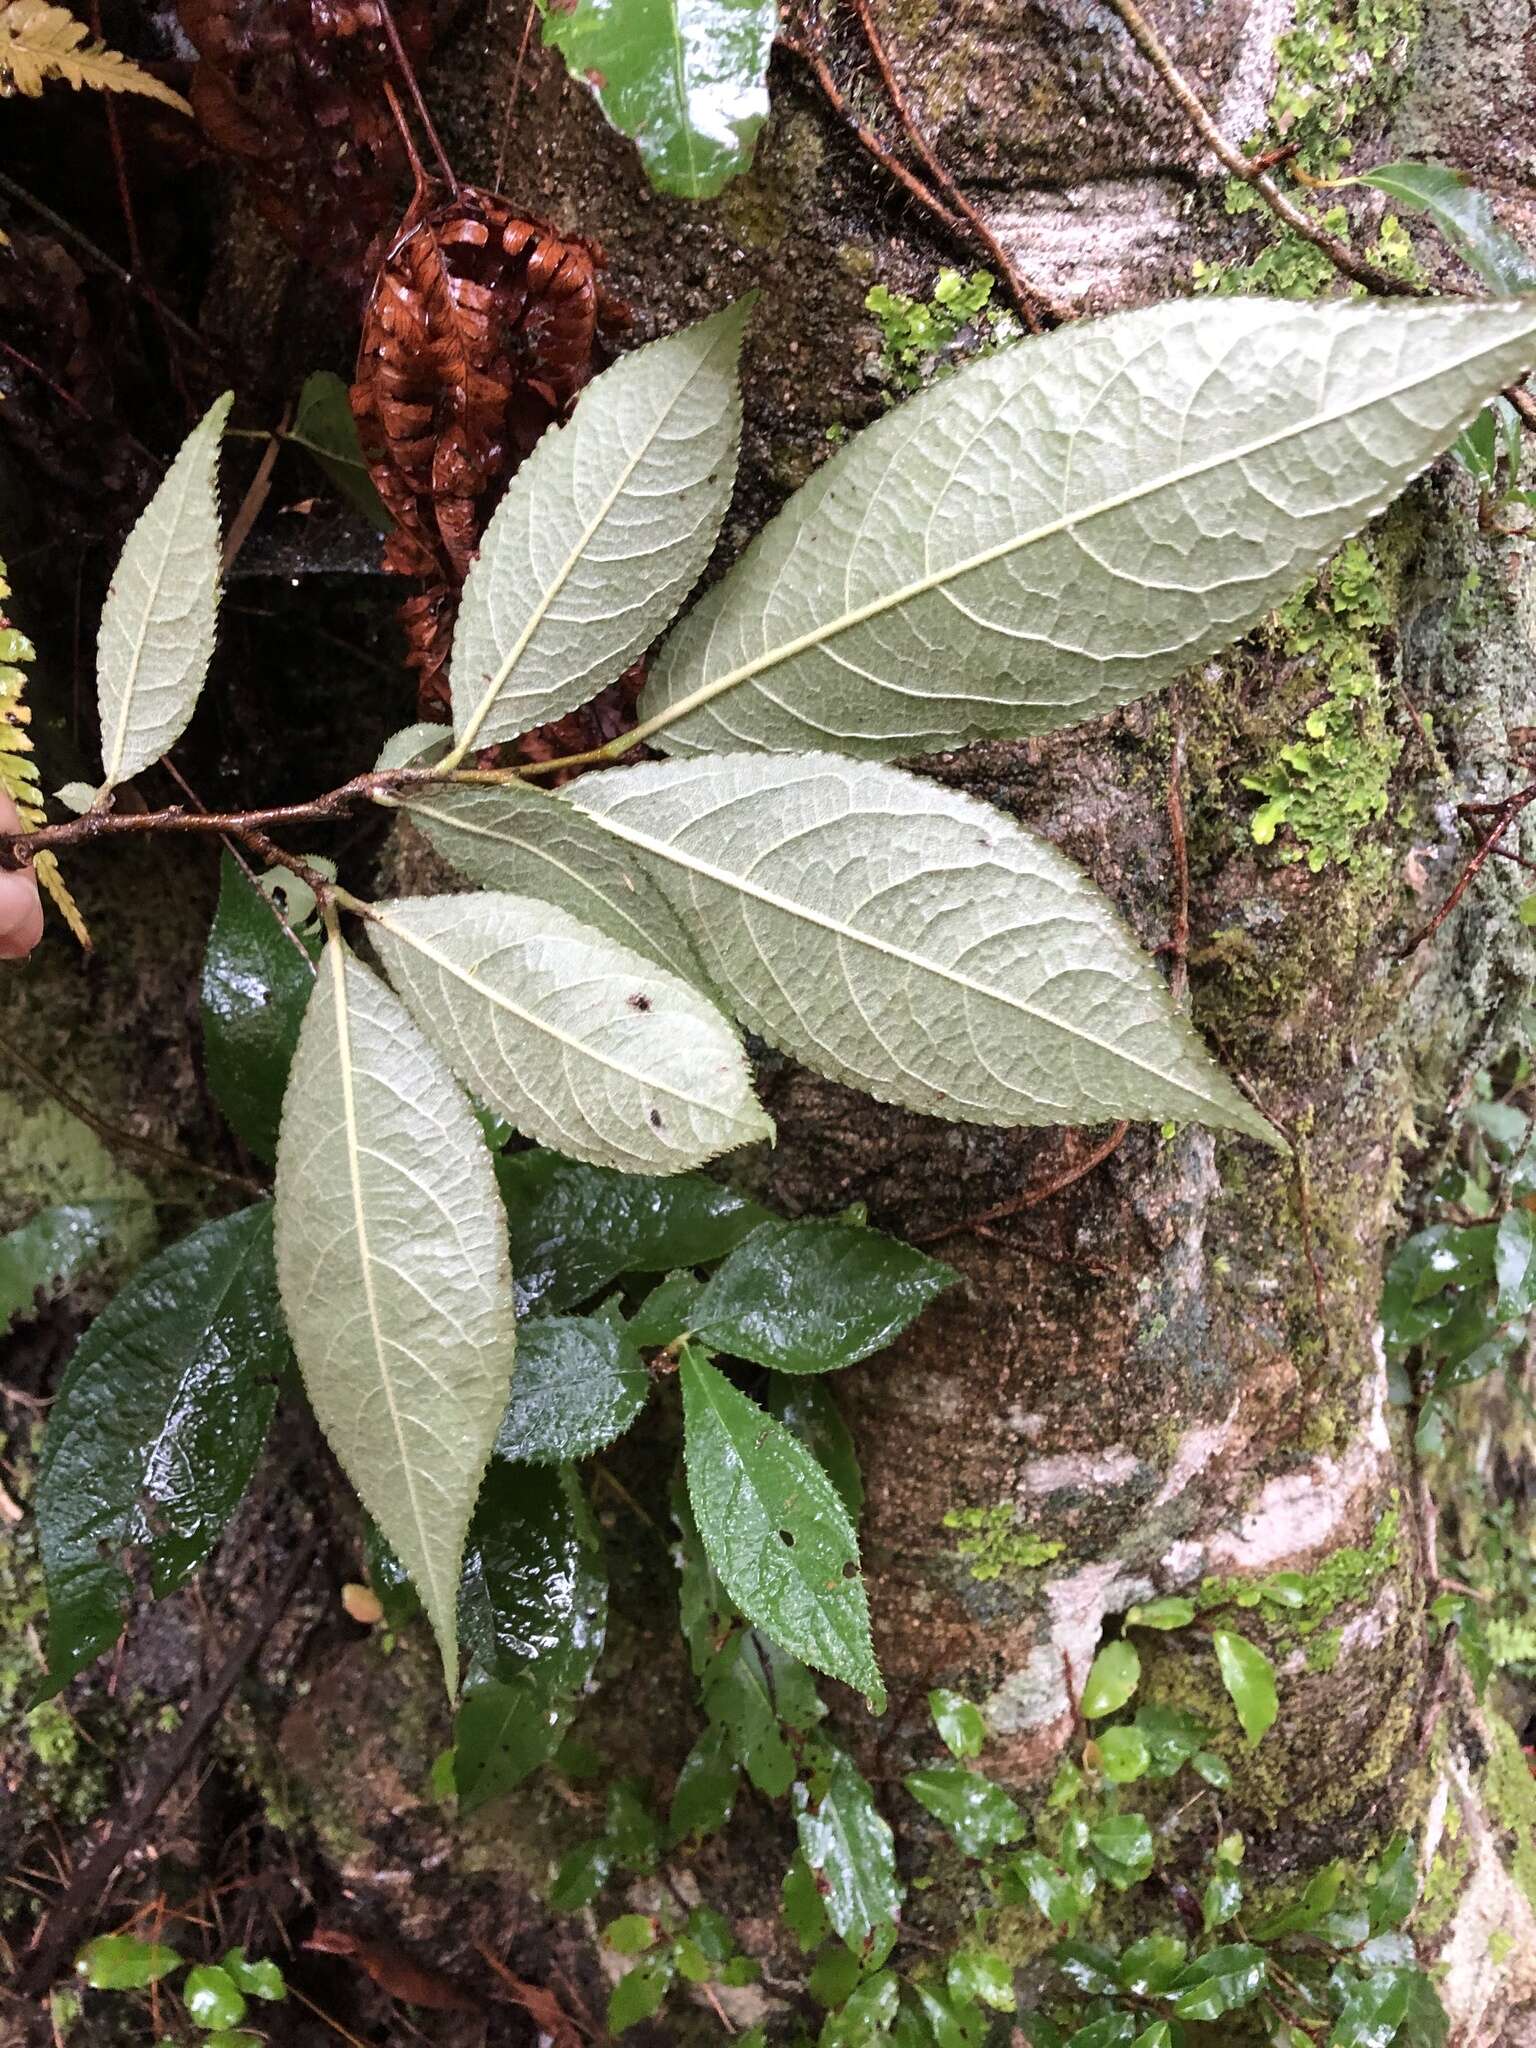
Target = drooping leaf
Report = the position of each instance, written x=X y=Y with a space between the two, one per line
x=1466 y=218
x=575 y=1039
x=156 y=635
x=392 y=1255
x=979 y=1814
x=1249 y=1677
x=775 y=1529
x=1220 y=1981
x=324 y=424
x=851 y=1849
x=601 y=534
x=688 y=79
x=533 y=1612
x=945 y=959
x=811 y=1296
x=1065 y=525
x=156 y=1428
x=574 y=1228
x=524 y=840
x=580 y=1383
x=49 y=1252
x=807 y=1410
x=257 y=977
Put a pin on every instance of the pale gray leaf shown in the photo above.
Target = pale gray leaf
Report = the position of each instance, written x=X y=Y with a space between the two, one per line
x=576 y=1040
x=600 y=535
x=523 y=839
x=912 y=942
x=156 y=635
x=414 y=746
x=392 y=1260
x=1070 y=523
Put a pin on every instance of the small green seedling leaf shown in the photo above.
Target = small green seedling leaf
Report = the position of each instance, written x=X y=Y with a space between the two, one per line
x=961 y=1728
x=212 y=1997
x=849 y=1848
x=979 y=1814
x=122 y=1962
x=1220 y=1982
x=1249 y=1677
x=640 y=1994
x=632 y=1933
x=261 y=1979
x=1173 y=1611
x=1115 y=1675
x=257 y=977
x=324 y=425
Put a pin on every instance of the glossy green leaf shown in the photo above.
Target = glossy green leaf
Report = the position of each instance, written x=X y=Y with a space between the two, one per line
x=156 y=635
x=324 y=425
x=1172 y=1737
x=865 y=2021
x=775 y=1529
x=257 y=977
x=812 y=1296
x=575 y=1228
x=979 y=1814
x=601 y=533
x=951 y=2022
x=961 y=1728
x=389 y=1580
x=573 y=1038
x=631 y=1934
x=687 y=79
x=1114 y=2030
x=46 y=1255
x=1062 y=526
x=122 y=1962
x=808 y=1411
x=804 y=1913
x=1173 y=1611
x=1394 y=1888
x=579 y=1384
x=982 y=1976
x=212 y=1997
x=1158 y=2035
x=526 y=841
x=1062 y=1896
x=1112 y=1678
x=261 y=1979
x=663 y=1315
x=945 y=959
x=849 y=1847
x=1466 y=218
x=532 y=1614
x=1249 y=1677
x=1151 y=1964
x=639 y=1994
x=1122 y=1849
x=581 y=1876
x=1124 y=1755
x=391 y=1251
x=1222 y=1900
x=706 y=1788
x=156 y=1428
x=1220 y=1981
x=1514 y=1262
x=1088 y=1968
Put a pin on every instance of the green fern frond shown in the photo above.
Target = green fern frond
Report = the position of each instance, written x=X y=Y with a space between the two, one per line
x=39 y=41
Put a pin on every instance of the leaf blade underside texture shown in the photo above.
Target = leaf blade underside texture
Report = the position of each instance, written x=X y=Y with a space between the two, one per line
x=912 y=942
x=600 y=535
x=577 y=1041
x=157 y=624
x=392 y=1260
x=1072 y=522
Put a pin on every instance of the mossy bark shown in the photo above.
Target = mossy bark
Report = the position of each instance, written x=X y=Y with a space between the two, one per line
x=1169 y=1373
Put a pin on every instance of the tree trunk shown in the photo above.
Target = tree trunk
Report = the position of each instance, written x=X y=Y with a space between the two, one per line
x=1168 y=1373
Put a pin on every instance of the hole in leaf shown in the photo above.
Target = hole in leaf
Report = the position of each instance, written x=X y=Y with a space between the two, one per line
x=786 y=1538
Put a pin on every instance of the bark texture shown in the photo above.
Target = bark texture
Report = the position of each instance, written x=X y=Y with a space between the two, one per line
x=1170 y=1373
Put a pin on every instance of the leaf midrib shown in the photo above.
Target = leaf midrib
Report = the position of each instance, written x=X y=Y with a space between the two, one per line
x=772 y=900
x=130 y=686
x=567 y=569
x=804 y=643
x=539 y=1024
x=365 y=1261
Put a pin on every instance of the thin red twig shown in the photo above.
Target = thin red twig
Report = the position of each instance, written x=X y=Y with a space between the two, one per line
x=1504 y=814
x=1031 y=1197
x=407 y=71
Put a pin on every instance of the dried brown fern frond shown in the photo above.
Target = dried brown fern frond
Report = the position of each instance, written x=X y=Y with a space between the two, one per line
x=481 y=329
x=294 y=90
x=39 y=42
